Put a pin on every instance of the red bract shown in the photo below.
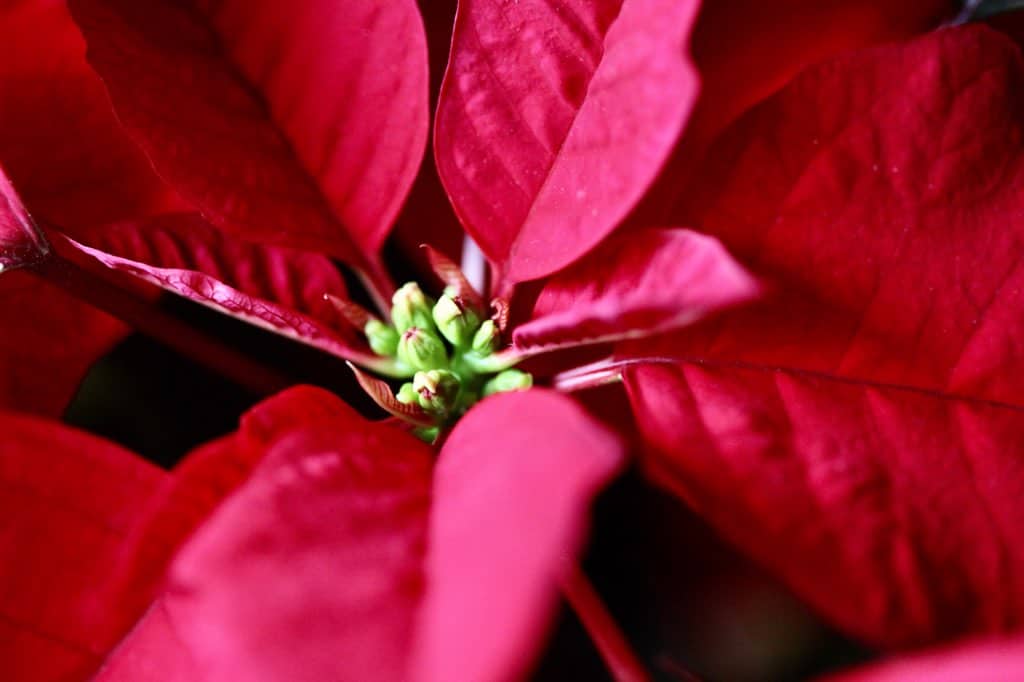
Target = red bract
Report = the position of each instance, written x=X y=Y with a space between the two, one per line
x=353 y=577
x=544 y=150
x=870 y=416
x=313 y=163
x=82 y=494
x=333 y=524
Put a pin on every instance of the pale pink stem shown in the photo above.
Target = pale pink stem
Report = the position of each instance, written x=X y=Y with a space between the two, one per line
x=581 y=382
x=584 y=375
x=474 y=264
x=602 y=628
x=101 y=291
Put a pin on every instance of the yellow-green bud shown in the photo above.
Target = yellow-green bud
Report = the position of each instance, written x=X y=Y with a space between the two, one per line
x=437 y=389
x=455 y=320
x=485 y=341
x=410 y=307
x=421 y=349
x=427 y=434
x=509 y=380
x=407 y=395
x=383 y=338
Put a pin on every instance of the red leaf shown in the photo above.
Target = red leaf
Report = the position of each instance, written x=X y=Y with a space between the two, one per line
x=51 y=338
x=890 y=510
x=523 y=141
x=312 y=570
x=513 y=486
x=68 y=499
x=211 y=292
x=151 y=652
x=294 y=279
x=198 y=485
x=48 y=344
x=635 y=284
x=862 y=434
x=779 y=40
x=301 y=128
x=59 y=139
x=42 y=365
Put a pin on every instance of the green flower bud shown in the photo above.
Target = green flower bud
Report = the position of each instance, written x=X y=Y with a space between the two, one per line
x=383 y=338
x=485 y=341
x=407 y=395
x=509 y=380
x=455 y=320
x=411 y=308
x=421 y=349
x=427 y=434
x=437 y=389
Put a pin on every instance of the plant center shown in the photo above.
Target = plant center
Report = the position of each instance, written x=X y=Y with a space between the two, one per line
x=448 y=349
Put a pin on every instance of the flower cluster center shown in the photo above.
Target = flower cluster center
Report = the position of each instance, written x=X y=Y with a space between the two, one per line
x=448 y=348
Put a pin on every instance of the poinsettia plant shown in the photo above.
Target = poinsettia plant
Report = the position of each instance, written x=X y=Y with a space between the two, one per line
x=789 y=236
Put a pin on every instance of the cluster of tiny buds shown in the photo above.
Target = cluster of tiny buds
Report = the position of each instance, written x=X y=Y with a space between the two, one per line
x=447 y=347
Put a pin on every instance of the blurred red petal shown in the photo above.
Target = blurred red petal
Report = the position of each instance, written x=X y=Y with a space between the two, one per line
x=511 y=500
x=779 y=39
x=68 y=499
x=635 y=284
x=152 y=652
x=523 y=141
x=782 y=38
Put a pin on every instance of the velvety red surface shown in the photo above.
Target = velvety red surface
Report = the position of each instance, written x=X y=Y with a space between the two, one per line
x=555 y=117
x=635 y=284
x=861 y=432
x=262 y=116
x=68 y=501
x=346 y=553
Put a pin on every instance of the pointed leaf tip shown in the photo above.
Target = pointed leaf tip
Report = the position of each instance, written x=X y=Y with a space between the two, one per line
x=21 y=241
x=451 y=275
x=380 y=393
x=353 y=313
